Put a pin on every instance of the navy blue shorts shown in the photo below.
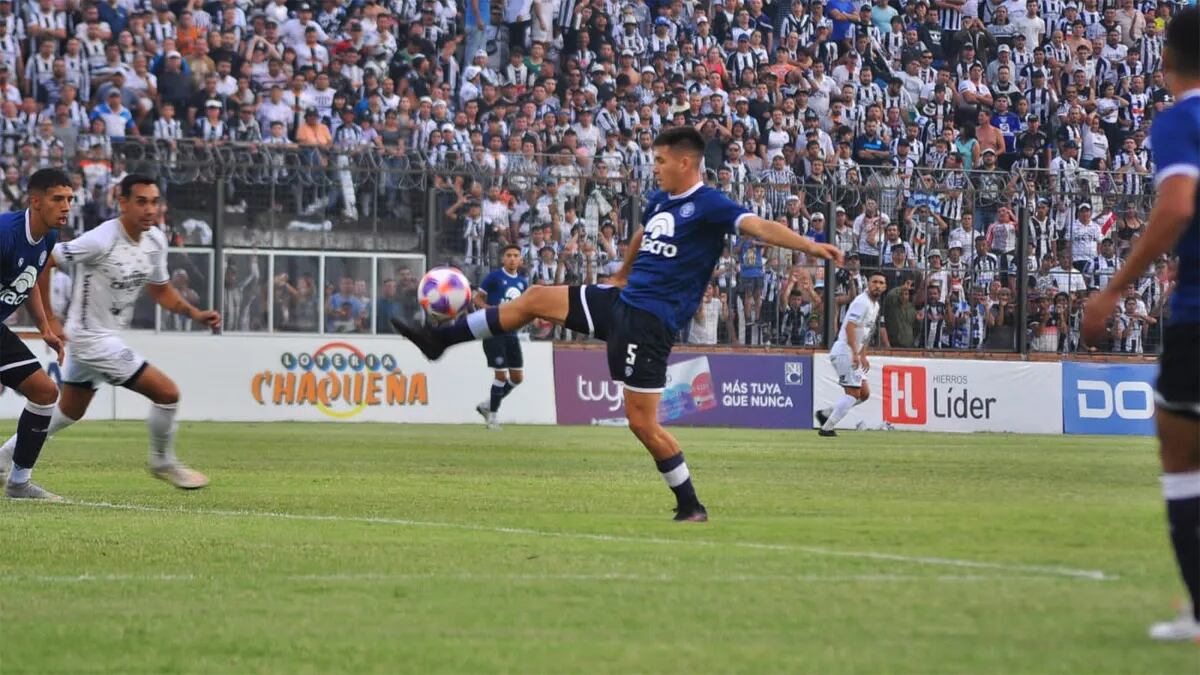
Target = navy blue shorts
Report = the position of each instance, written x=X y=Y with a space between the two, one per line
x=638 y=341
x=16 y=361
x=503 y=352
x=1178 y=387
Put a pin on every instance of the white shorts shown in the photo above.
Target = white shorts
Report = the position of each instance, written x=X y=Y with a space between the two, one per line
x=106 y=360
x=848 y=375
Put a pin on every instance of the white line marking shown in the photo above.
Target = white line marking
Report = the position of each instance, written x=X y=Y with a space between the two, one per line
x=1044 y=570
x=369 y=577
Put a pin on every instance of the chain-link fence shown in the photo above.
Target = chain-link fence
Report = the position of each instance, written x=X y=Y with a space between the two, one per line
x=989 y=259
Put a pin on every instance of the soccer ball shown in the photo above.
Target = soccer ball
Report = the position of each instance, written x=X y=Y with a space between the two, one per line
x=444 y=292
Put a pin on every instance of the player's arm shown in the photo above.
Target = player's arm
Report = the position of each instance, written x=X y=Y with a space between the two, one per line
x=169 y=299
x=1172 y=212
x=622 y=275
x=38 y=301
x=771 y=232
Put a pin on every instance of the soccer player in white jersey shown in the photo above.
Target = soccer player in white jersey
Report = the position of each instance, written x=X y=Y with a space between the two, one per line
x=112 y=264
x=849 y=354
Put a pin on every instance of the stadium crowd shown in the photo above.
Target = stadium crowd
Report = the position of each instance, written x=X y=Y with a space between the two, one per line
x=918 y=135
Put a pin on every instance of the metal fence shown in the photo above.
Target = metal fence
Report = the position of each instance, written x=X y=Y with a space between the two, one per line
x=1013 y=255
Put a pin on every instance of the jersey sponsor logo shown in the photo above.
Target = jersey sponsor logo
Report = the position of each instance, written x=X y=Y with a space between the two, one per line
x=129 y=283
x=18 y=290
x=659 y=228
x=512 y=293
x=340 y=380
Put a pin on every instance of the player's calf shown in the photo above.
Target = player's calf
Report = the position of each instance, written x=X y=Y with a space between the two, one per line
x=642 y=411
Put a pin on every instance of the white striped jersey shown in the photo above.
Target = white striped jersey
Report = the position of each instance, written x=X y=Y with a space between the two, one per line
x=168 y=129
x=110 y=271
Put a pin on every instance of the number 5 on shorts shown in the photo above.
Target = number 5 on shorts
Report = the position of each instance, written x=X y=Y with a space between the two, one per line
x=630 y=354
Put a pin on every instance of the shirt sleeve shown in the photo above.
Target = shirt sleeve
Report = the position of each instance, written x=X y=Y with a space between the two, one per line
x=725 y=213
x=82 y=249
x=1176 y=144
x=158 y=261
x=857 y=311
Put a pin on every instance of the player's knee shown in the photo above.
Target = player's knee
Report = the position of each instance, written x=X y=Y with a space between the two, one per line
x=41 y=391
x=168 y=394
x=516 y=377
x=645 y=427
x=500 y=375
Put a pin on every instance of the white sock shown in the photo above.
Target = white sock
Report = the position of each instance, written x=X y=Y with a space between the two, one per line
x=843 y=406
x=161 y=423
x=58 y=422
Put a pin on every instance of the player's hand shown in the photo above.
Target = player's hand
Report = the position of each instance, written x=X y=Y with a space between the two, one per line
x=1097 y=311
x=619 y=280
x=208 y=317
x=828 y=252
x=864 y=363
x=55 y=342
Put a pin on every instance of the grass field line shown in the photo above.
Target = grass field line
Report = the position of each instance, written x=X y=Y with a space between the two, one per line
x=370 y=577
x=1017 y=568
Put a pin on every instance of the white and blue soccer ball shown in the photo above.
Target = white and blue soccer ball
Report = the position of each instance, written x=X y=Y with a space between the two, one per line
x=444 y=292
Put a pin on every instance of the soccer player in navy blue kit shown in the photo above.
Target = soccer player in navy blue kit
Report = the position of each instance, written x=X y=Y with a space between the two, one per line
x=655 y=292
x=503 y=352
x=26 y=239
x=1174 y=223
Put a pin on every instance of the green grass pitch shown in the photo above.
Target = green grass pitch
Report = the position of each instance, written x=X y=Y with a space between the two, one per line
x=380 y=548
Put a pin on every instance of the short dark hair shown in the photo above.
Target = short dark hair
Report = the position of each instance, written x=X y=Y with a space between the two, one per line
x=510 y=247
x=1182 y=43
x=872 y=275
x=685 y=138
x=44 y=179
x=132 y=180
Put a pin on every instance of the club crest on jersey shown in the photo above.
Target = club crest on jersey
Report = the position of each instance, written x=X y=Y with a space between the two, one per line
x=42 y=259
x=687 y=210
x=660 y=227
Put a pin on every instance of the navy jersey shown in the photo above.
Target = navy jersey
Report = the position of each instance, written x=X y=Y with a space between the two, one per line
x=21 y=260
x=1175 y=140
x=682 y=239
x=501 y=287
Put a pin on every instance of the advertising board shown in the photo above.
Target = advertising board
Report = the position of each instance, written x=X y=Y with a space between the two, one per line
x=703 y=389
x=949 y=395
x=1108 y=398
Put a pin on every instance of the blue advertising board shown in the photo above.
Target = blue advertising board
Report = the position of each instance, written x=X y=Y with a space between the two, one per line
x=1108 y=398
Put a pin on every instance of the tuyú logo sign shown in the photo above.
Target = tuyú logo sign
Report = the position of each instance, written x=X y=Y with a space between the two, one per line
x=339 y=380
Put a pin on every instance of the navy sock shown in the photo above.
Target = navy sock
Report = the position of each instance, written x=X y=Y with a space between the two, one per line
x=1184 y=517
x=497 y=396
x=508 y=387
x=675 y=472
x=31 y=434
x=478 y=325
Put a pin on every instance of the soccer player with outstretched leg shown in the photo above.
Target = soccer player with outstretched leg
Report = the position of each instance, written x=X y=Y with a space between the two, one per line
x=1174 y=223
x=503 y=352
x=26 y=240
x=655 y=292
x=849 y=354
x=113 y=262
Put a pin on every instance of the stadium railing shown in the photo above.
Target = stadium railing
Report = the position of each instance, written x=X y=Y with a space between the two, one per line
x=283 y=225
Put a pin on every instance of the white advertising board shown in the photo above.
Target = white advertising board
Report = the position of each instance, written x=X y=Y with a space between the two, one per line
x=271 y=378
x=950 y=395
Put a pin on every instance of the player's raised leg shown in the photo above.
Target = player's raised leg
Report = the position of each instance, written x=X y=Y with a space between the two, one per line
x=160 y=422
x=549 y=303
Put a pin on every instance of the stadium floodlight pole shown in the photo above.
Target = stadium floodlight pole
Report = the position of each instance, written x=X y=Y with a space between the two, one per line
x=1022 y=280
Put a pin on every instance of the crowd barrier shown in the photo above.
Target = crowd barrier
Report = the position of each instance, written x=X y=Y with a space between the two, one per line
x=243 y=378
